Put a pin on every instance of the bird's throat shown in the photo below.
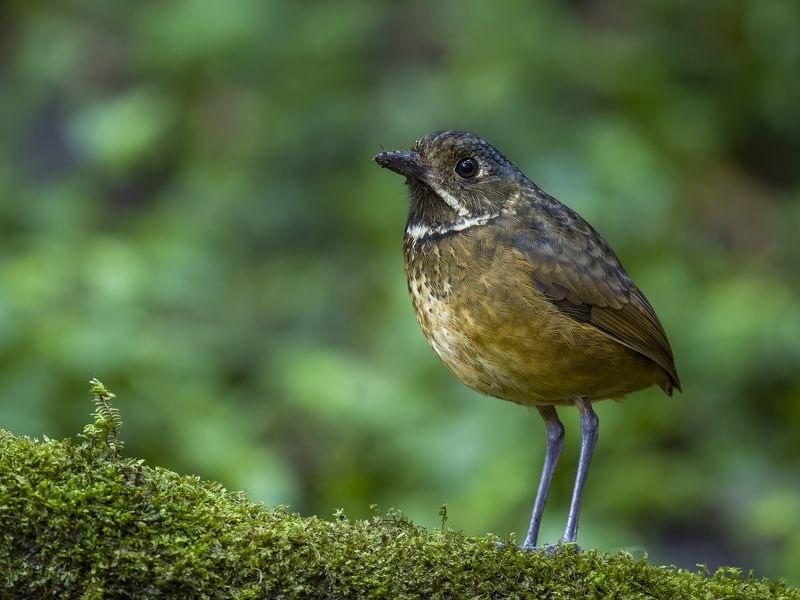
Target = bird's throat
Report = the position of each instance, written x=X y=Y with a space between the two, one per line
x=431 y=215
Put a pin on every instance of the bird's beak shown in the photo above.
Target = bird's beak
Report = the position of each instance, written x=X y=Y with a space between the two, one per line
x=405 y=163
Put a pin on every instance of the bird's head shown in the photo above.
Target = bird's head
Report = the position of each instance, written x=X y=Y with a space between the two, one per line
x=456 y=179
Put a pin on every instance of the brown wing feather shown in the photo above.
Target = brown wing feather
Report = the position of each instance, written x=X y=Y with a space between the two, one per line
x=574 y=268
x=637 y=326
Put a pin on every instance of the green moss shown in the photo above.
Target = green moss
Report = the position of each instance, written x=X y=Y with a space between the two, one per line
x=78 y=520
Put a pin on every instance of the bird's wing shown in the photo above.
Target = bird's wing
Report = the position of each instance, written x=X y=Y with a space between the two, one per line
x=574 y=267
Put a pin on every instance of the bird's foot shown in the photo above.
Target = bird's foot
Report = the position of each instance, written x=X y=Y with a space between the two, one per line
x=527 y=547
x=550 y=549
x=523 y=547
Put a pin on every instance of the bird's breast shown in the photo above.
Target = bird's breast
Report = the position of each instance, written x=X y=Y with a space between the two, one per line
x=481 y=313
x=431 y=286
x=450 y=286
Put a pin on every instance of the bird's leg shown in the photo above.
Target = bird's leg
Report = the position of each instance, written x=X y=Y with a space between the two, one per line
x=589 y=432
x=555 y=443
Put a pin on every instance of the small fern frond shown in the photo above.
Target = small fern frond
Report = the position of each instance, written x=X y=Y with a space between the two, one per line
x=107 y=420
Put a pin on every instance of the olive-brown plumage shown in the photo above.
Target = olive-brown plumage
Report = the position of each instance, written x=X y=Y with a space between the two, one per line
x=519 y=296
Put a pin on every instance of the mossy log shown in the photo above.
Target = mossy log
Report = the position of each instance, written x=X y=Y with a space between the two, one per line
x=78 y=520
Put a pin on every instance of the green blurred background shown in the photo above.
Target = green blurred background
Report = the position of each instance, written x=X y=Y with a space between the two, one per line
x=189 y=211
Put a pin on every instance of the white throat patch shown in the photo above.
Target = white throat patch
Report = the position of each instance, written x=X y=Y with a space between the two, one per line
x=417 y=231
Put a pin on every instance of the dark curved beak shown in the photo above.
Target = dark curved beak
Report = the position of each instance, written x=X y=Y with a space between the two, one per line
x=405 y=163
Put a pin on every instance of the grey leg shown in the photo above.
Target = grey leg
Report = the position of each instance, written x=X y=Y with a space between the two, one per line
x=555 y=443
x=589 y=432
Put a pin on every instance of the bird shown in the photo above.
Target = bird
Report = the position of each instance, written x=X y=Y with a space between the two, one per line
x=521 y=298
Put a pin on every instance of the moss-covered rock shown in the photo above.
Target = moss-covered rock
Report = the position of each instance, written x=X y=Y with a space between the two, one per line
x=78 y=520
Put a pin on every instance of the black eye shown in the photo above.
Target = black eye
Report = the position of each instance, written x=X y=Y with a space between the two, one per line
x=467 y=167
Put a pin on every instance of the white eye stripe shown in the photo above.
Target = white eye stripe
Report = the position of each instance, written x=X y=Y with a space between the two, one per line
x=449 y=199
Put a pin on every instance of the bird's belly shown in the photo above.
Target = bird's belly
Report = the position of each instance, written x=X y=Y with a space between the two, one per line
x=527 y=355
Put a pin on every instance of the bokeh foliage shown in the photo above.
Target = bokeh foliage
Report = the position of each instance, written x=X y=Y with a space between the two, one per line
x=188 y=210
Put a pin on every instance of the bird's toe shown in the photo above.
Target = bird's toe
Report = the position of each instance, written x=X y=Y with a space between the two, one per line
x=550 y=549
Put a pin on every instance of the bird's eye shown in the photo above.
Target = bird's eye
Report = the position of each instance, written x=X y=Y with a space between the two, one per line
x=467 y=167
